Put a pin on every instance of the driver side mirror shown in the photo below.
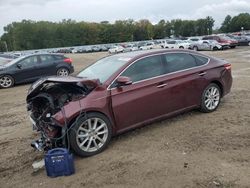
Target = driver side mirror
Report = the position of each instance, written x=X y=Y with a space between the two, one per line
x=19 y=65
x=123 y=81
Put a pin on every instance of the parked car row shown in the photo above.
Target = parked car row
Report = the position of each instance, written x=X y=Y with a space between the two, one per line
x=132 y=47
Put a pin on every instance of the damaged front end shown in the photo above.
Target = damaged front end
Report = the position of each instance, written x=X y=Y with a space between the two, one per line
x=48 y=96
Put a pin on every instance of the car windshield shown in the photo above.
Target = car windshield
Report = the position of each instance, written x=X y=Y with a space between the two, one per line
x=3 y=61
x=104 y=68
x=9 y=63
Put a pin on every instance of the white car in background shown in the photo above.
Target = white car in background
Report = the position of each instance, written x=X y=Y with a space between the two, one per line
x=177 y=44
x=193 y=39
x=206 y=45
x=131 y=47
x=147 y=46
x=116 y=49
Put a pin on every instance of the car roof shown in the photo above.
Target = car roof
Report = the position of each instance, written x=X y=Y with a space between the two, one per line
x=28 y=55
x=138 y=54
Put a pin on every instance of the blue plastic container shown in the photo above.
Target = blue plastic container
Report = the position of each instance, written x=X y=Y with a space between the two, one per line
x=58 y=162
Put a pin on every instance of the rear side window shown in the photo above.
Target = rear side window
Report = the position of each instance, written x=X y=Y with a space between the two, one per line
x=29 y=61
x=46 y=58
x=58 y=57
x=179 y=61
x=200 y=60
x=144 y=69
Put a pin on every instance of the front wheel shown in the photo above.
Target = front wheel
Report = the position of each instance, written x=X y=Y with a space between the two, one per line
x=195 y=48
x=90 y=135
x=62 y=72
x=210 y=98
x=6 y=81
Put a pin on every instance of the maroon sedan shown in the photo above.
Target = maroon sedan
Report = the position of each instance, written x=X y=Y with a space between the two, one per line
x=122 y=92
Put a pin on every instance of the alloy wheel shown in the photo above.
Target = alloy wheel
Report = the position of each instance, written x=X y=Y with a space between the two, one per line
x=92 y=134
x=212 y=98
x=62 y=72
x=6 y=82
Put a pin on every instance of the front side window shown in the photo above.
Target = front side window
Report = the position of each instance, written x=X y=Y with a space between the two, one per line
x=178 y=61
x=200 y=60
x=146 y=68
x=29 y=61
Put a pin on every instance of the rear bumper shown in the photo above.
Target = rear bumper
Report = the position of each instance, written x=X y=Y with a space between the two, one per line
x=71 y=69
x=227 y=81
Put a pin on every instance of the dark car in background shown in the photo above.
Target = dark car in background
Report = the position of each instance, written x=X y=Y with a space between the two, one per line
x=32 y=67
x=122 y=92
x=242 y=40
x=224 y=41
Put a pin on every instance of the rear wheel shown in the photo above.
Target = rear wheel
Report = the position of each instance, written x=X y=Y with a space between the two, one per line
x=211 y=98
x=195 y=48
x=215 y=48
x=181 y=47
x=62 y=72
x=90 y=135
x=6 y=81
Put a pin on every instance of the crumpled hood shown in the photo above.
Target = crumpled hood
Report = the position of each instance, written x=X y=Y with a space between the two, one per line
x=81 y=82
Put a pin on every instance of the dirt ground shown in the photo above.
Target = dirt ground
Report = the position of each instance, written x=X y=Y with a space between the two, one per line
x=190 y=150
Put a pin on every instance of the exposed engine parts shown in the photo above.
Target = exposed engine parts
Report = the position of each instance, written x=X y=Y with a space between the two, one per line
x=51 y=99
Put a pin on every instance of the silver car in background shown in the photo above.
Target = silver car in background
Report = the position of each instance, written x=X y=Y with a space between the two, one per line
x=209 y=45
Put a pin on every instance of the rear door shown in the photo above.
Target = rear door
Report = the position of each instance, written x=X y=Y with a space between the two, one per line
x=184 y=77
x=206 y=45
x=27 y=69
x=47 y=65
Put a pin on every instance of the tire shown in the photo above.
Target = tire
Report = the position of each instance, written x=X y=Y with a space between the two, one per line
x=84 y=138
x=195 y=48
x=248 y=44
x=211 y=98
x=215 y=48
x=233 y=47
x=181 y=47
x=62 y=72
x=6 y=81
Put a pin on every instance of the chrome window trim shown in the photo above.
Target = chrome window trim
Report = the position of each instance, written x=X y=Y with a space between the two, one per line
x=162 y=74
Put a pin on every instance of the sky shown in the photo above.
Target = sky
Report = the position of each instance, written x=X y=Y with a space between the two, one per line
x=111 y=10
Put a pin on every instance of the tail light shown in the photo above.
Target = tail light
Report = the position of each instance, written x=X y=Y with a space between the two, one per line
x=68 y=60
x=228 y=66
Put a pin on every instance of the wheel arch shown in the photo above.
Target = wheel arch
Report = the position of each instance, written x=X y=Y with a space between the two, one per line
x=72 y=120
x=220 y=86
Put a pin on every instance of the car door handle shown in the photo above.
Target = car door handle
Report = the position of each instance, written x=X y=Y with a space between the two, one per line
x=162 y=85
x=202 y=73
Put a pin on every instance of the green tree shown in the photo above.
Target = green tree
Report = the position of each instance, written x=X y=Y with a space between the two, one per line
x=225 y=27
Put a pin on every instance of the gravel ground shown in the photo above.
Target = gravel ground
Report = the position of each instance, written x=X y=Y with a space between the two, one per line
x=190 y=150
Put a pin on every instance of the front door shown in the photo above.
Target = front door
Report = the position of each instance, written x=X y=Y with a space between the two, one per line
x=141 y=101
x=26 y=69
